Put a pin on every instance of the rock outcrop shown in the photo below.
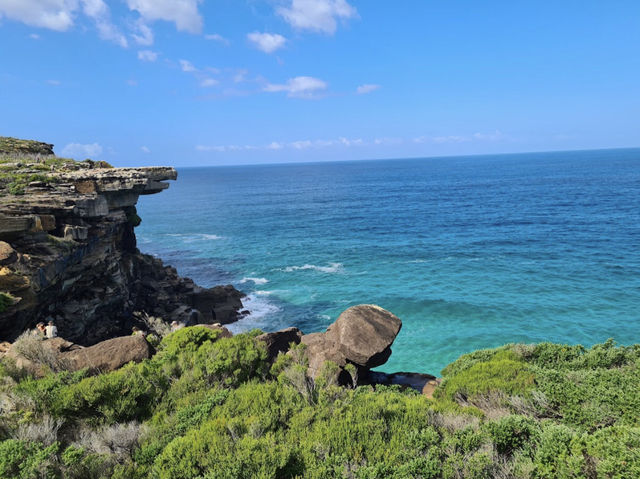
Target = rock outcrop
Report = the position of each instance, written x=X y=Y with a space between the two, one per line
x=362 y=335
x=68 y=252
x=39 y=356
x=108 y=355
x=279 y=341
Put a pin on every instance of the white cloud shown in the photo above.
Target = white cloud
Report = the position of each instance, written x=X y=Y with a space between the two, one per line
x=53 y=82
x=184 y=13
x=60 y=15
x=208 y=82
x=145 y=149
x=34 y=36
x=299 y=87
x=187 y=66
x=52 y=14
x=143 y=35
x=366 y=88
x=274 y=145
x=80 y=151
x=147 y=56
x=211 y=148
x=132 y=83
x=317 y=15
x=99 y=12
x=267 y=42
x=495 y=136
x=217 y=38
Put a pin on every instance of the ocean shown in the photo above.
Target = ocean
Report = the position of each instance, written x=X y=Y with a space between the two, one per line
x=470 y=252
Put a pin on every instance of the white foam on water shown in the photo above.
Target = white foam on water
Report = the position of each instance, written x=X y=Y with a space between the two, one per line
x=332 y=268
x=260 y=311
x=254 y=280
x=191 y=237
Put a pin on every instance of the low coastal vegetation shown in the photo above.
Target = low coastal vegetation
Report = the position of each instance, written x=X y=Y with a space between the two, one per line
x=24 y=162
x=210 y=407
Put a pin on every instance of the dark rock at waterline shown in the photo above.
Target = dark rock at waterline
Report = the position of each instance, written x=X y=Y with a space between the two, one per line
x=279 y=341
x=423 y=383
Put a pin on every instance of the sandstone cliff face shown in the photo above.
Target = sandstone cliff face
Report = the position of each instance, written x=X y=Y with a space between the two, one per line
x=68 y=251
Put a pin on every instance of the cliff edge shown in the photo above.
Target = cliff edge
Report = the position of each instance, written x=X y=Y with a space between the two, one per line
x=68 y=251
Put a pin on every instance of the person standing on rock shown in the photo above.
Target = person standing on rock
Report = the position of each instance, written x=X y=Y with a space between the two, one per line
x=51 y=331
x=41 y=331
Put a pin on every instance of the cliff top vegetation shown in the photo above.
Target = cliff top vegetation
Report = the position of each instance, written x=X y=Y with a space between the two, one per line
x=210 y=407
x=23 y=162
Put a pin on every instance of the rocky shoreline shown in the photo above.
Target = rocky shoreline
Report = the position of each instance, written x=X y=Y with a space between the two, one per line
x=68 y=253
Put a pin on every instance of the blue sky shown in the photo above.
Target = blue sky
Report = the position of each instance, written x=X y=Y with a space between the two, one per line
x=203 y=82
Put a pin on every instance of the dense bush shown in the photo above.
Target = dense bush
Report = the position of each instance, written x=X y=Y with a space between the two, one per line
x=209 y=407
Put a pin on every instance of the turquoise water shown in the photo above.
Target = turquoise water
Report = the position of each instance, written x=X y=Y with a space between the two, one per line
x=470 y=252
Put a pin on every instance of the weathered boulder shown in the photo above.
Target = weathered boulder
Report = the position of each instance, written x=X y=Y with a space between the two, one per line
x=279 y=341
x=108 y=355
x=364 y=334
x=7 y=253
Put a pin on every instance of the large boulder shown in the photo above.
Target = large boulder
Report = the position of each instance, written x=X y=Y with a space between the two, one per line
x=108 y=355
x=364 y=334
x=279 y=341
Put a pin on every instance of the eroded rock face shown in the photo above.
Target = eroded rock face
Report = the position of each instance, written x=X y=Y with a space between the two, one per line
x=68 y=251
x=362 y=336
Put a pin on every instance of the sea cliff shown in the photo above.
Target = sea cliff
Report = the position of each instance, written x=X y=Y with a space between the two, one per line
x=68 y=250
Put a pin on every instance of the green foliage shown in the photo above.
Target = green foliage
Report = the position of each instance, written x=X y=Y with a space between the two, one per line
x=123 y=395
x=511 y=433
x=212 y=408
x=484 y=373
x=187 y=340
x=22 y=459
x=15 y=183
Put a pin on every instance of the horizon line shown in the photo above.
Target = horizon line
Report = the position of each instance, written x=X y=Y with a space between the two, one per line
x=473 y=155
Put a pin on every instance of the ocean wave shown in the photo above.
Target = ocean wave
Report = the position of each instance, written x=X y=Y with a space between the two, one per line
x=332 y=268
x=260 y=310
x=191 y=237
x=254 y=280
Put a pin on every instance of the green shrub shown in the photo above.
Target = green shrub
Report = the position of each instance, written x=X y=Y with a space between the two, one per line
x=187 y=340
x=22 y=459
x=487 y=373
x=511 y=433
x=124 y=395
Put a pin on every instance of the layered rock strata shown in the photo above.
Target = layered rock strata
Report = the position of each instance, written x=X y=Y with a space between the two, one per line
x=68 y=252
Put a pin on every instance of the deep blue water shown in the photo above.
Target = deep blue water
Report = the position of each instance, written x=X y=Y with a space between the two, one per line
x=470 y=252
